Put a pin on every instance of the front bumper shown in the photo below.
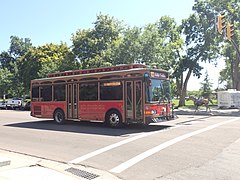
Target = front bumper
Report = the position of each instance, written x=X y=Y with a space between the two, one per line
x=160 y=119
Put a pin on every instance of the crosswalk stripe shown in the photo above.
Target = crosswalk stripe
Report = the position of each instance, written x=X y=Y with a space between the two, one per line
x=120 y=168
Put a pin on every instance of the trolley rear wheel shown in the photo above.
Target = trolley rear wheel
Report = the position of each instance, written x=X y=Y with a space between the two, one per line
x=59 y=116
x=114 y=119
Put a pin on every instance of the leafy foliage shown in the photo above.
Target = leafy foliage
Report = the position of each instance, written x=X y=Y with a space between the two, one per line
x=93 y=47
x=231 y=9
x=206 y=87
x=5 y=80
x=8 y=62
x=163 y=44
x=128 y=48
x=40 y=61
x=203 y=43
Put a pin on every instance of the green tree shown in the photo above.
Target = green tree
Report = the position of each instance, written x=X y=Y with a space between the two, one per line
x=9 y=60
x=150 y=41
x=206 y=86
x=231 y=9
x=226 y=75
x=161 y=45
x=171 y=43
x=19 y=46
x=202 y=44
x=42 y=60
x=6 y=60
x=94 y=47
x=128 y=48
x=195 y=93
x=5 y=81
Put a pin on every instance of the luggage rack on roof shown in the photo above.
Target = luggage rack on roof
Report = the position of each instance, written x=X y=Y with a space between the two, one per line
x=97 y=70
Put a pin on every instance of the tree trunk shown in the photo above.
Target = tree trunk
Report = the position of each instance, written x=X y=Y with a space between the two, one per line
x=236 y=82
x=182 y=98
x=236 y=69
x=232 y=74
x=183 y=92
x=179 y=83
x=238 y=72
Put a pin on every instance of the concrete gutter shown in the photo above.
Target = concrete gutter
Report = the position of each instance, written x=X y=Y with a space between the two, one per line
x=17 y=166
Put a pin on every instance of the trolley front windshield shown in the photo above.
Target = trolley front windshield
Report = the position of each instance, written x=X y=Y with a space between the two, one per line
x=158 y=91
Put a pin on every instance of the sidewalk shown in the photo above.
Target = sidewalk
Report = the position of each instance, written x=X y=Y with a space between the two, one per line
x=15 y=166
x=202 y=111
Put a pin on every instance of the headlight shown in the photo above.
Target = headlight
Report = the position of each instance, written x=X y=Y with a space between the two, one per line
x=154 y=111
x=150 y=112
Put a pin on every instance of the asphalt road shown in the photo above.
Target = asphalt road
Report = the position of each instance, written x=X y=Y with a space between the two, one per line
x=190 y=147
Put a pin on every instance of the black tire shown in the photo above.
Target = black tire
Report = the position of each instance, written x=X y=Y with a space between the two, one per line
x=114 y=119
x=9 y=108
x=59 y=116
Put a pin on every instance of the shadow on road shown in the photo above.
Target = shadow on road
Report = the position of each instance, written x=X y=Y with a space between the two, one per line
x=88 y=127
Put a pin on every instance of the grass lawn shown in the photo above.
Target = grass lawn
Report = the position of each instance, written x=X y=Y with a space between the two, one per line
x=190 y=104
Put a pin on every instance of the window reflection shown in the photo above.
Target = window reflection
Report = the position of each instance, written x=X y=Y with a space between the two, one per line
x=158 y=90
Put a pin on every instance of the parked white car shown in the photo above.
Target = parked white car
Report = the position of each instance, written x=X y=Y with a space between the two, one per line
x=2 y=105
x=14 y=103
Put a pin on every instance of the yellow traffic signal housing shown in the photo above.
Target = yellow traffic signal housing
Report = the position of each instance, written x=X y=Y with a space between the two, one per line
x=221 y=23
x=230 y=31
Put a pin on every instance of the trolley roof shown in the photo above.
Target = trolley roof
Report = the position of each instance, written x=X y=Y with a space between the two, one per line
x=97 y=70
x=130 y=68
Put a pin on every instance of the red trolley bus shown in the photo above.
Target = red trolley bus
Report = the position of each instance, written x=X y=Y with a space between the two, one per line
x=115 y=95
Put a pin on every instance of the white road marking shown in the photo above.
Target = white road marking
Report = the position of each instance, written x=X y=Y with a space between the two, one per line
x=120 y=168
x=112 y=146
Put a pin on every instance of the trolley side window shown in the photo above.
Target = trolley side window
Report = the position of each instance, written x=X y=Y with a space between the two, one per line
x=46 y=93
x=59 y=92
x=88 y=91
x=111 y=90
x=35 y=92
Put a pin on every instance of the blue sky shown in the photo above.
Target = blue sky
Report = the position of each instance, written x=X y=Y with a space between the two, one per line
x=46 y=21
x=54 y=21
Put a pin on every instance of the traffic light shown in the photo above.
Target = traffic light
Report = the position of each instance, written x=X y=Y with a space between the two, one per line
x=221 y=23
x=230 y=30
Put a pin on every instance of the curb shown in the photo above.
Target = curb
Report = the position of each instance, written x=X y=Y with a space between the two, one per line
x=213 y=112
x=17 y=166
